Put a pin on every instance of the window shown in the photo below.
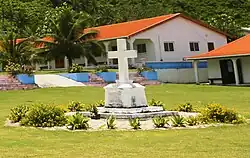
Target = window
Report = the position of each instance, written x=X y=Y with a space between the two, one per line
x=169 y=47
x=141 y=48
x=210 y=46
x=194 y=46
x=114 y=48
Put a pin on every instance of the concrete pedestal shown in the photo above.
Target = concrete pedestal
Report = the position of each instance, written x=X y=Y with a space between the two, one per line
x=125 y=95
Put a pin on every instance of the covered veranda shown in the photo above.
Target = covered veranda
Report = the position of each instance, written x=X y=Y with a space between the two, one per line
x=227 y=65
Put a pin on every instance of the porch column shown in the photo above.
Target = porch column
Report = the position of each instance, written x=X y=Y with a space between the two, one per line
x=86 y=62
x=106 y=44
x=196 y=71
x=48 y=64
x=236 y=73
x=131 y=46
x=66 y=63
x=37 y=66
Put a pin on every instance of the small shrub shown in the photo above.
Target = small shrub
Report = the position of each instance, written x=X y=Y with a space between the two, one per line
x=218 y=113
x=100 y=103
x=193 y=121
x=13 y=68
x=178 y=121
x=18 y=113
x=101 y=69
x=75 y=68
x=28 y=69
x=75 y=106
x=77 y=121
x=144 y=68
x=160 y=121
x=239 y=120
x=44 y=116
x=111 y=122
x=154 y=102
x=185 y=108
x=135 y=123
x=94 y=112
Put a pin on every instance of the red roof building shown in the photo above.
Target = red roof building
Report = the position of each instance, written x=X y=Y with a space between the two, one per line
x=229 y=64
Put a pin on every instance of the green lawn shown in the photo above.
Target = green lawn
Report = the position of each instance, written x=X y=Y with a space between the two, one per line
x=212 y=142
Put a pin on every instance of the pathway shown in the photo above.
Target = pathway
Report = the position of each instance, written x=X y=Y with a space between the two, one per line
x=51 y=80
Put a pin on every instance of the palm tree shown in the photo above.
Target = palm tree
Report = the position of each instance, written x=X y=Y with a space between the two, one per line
x=69 y=39
x=19 y=51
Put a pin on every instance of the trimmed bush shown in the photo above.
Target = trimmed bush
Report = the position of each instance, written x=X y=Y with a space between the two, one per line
x=77 y=121
x=135 y=123
x=111 y=122
x=75 y=106
x=18 y=113
x=160 y=121
x=100 y=103
x=178 y=121
x=185 y=107
x=101 y=69
x=218 y=113
x=44 y=116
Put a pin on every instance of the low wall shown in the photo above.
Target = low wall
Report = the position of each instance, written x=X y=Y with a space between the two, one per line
x=181 y=75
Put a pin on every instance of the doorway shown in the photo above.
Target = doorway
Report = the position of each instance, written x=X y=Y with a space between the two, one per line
x=227 y=71
x=59 y=63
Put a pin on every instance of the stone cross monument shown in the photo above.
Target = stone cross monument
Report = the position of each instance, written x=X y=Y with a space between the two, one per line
x=124 y=93
x=122 y=54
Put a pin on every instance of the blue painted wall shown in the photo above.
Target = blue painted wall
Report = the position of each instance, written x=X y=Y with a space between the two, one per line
x=150 y=75
x=26 y=79
x=79 y=77
x=107 y=76
x=174 y=65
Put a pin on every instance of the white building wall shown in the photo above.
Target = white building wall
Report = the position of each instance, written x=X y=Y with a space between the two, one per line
x=214 y=70
x=245 y=62
x=181 y=75
x=181 y=32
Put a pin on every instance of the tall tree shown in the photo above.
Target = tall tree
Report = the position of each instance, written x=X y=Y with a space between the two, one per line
x=69 y=39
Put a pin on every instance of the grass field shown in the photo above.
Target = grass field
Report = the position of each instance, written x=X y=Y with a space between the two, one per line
x=212 y=142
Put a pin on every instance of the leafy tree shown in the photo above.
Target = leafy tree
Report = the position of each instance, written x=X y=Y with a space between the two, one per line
x=19 y=51
x=68 y=39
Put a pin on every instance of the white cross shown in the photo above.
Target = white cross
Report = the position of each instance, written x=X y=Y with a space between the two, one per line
x=122 y=54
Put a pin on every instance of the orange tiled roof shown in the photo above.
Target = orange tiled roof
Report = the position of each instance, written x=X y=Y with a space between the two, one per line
x=240 y=47
x=128 y=29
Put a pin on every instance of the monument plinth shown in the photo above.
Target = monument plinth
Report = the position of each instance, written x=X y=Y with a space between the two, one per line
x=124 y=93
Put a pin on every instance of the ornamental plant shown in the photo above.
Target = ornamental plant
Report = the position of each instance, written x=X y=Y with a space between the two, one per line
x=185 y=107
x=160 y=121
x=178 y=121
x=42 y=115
x=77 y=121
x=75 y=68
x=154 y=102
x=18 y=113
x=111 y=122
x=75 y=106
x=192 y=121
x=135 y=123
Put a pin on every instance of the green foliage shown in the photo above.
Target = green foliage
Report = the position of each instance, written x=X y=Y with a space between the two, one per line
x=135 y=123
x=77 y=121
x=160 y=121
x=94 y=112
x=12 y=68
x=100 y=103
x=185 y=107
x=75 y=106
x=75 y=68
x=44 y=116
x=18 y=113
x=218 y=113
x=111 y=122
x=239 y=120
x=178 y=121
x=154 y=102
x=142 y=69
x=193 y=121
x=101 y=69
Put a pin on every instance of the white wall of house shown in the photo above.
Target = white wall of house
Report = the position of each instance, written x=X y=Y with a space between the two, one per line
x=180 y=31
x=149 y=55
x=214 y=70
x=245 y=63
x=181 y=75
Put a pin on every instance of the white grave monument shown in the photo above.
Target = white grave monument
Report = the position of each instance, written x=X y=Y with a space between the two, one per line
x=124 y=93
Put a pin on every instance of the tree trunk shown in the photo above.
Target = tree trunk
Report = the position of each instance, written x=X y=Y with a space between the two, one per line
x=70 y=62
